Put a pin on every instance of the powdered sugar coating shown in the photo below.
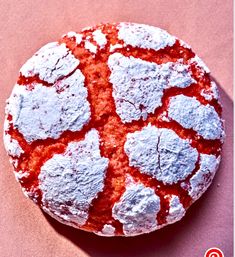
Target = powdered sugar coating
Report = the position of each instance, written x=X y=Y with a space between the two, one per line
x=37 y=118
x=160 y=153
x=207 y=95
x=32 y=194
x=212 y=93
x=12 y=146
x=52 y=62
x=72 y=34
x=138 y=85
x=86 y=28
x=100 y=38
x=21 y=175
x=176 y=210
x=191 y=114
x=185 y=45
x=137 y=209
x=107 y=230
x=114 y=47
x=215 y=90
x=6 y=125
x=199 y=63
x=101 y=42
x=91 y=47
x=144 y=36
x=199 y=182
x=70 y=181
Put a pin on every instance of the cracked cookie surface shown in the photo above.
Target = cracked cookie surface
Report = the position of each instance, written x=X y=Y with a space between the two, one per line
x=115 y=130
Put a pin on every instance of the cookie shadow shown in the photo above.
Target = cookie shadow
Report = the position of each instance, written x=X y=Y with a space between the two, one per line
x=162 y=242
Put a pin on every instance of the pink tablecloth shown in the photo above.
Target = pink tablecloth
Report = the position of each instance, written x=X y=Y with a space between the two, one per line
x=207 y=27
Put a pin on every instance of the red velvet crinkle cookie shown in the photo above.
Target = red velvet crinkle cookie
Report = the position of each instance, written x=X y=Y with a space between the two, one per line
x=115 y=130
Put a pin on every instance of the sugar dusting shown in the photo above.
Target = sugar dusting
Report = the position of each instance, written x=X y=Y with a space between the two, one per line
x=199 y=182
x=144 y=36
x=100 y=38
x=70 y=181
x=137 y=209
x=107 y=230
x=72 y=34
x=37 y=118
x=138 y=86
x=161 y=153
x=176 y=211
x=12 y=146
x=191 y=114
x=52 y=62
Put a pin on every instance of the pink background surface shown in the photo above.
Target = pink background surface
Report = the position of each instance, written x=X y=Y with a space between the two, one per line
x=207 y=27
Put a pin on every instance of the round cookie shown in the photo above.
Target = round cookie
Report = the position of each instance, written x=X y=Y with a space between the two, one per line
x=115 y=130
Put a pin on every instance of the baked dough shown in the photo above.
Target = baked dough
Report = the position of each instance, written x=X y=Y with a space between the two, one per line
x=115 y=130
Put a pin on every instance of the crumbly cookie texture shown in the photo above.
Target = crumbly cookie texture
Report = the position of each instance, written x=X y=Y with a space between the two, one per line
x=115 y=130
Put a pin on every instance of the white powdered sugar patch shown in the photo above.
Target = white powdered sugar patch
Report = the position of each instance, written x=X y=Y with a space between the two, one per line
x=137 y=209
x=191 y=114
x=185 y=45
x=160 y=153
x=199 y=63
x=212 y=93
x=32 y=193
x=12 y=146
x=69 y=182
x=52 y=62
x=46 y=112
x=53 y=102
x=215 y=90
x=87 y=28
x=144 y=36
x=107 y=230
x=21 y=175
x=91 y=47
x=114 y=47
x=176 y=210
x=6 y=125
x=207 y=94
x=138 y=85
x=100 y=38
x=72 y=34
x=164 y=117
x=200 y=181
